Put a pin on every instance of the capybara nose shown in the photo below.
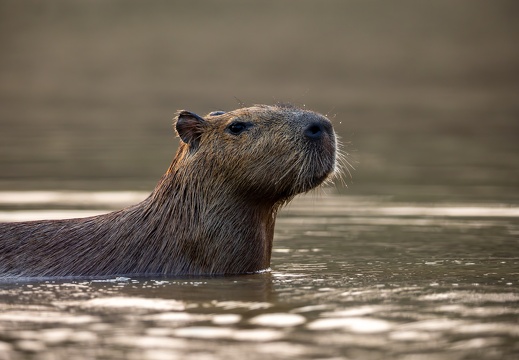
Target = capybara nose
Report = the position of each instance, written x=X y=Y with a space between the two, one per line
x=316 y=129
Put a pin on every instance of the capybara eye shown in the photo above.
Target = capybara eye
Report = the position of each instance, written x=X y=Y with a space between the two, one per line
x=237 y=127
x=216 y=113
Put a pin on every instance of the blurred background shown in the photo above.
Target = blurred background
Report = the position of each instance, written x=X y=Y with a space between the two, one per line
x=424 y=94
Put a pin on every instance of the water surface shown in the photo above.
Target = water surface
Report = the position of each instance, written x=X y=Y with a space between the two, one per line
x=352 y=278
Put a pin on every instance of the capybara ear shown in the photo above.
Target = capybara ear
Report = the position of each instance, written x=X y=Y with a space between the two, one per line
x=189 y=127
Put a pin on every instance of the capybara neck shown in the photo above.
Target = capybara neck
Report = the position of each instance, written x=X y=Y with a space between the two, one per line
x=212 y=212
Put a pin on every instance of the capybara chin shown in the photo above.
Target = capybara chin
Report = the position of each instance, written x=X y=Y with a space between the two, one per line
x=212 y=212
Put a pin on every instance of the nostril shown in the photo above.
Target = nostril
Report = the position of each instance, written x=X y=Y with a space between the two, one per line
x=314 y=131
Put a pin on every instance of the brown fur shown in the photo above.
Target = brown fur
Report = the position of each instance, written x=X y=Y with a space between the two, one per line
x=213 y=212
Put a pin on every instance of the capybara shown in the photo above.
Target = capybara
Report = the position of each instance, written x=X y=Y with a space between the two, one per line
x=212 y=212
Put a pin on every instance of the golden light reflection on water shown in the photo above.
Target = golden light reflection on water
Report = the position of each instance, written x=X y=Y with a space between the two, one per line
x=109 y=318
x=330 y=208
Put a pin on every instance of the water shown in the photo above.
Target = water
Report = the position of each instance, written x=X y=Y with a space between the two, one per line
x=417 y=259
x=352 y=278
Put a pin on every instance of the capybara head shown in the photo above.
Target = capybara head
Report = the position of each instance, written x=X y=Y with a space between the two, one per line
x=261 y=152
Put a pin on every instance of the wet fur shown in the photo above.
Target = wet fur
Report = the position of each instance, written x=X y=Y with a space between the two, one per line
x=213 y=212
